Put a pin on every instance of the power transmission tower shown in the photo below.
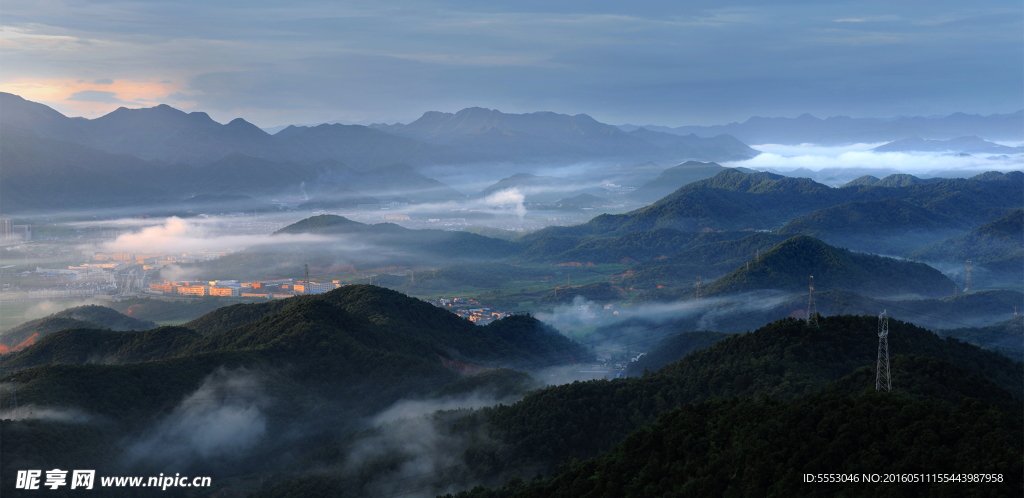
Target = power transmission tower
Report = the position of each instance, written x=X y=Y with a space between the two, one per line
x=305 y=288
x=812 y=308
x=967 y=288
x=883 y=379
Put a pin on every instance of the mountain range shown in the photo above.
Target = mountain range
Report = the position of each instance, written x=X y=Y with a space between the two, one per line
x=962 y=145
x=734 y=200
x=472 y=135
x=838 y=130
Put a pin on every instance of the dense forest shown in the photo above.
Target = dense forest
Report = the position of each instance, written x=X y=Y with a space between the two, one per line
x=758 y=391
x=306 y=366
x=998 y=245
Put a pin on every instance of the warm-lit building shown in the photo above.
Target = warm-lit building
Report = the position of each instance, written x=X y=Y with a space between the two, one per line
x=194 y=290
x=116 y=256
x=225 y=291
x=315 y=287
x=166 y=287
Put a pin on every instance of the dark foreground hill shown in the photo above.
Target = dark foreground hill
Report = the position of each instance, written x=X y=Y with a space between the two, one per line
x=373 y=317
x=765 y=447
x=788 y=379
x=272 y=379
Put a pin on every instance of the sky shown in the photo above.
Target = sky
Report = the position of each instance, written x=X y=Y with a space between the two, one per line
x=672 y=63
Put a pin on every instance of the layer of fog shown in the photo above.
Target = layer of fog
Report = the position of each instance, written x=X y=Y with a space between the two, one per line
x=473 y=179
x=220 y=421
x=416 y=434
x=32 y=412
x=582 y=316
x=177 y=235
x=42 y=309
x=859 y=156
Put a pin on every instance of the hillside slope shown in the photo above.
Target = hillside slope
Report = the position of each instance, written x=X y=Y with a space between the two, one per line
x=789 y=265
x=556 y=429
x=887 y=226
x=89 y=316
x=998 y=245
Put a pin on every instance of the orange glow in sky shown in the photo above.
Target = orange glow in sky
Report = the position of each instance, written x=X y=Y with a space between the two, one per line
x=59 y=94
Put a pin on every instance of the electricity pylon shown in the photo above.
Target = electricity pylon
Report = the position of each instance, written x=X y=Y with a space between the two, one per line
x=967 y=288
x=812 y=309
x=883 y=378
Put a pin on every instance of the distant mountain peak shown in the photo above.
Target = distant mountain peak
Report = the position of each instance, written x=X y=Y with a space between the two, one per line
x=962 y=144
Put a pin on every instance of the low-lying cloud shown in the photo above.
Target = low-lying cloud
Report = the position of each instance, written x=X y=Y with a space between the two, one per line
x=510 y=200
x=582 y=316
x=789 y=157
x=417 y=434
x=220 y=420
x=31 y=412
x=177 y=235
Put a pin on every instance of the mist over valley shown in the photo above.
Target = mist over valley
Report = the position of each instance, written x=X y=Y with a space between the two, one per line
x=351 y=250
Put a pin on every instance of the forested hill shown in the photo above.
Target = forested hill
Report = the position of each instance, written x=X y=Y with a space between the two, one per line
x=887 y=226
x=90 y=316
x=733 y=200
x=783 y=359
x=557 y=429
x=999 y=245
x=352 y=342
x=348 y=243
x=789 y=265
x=437 y=243
x=310 y=367
x=765 y=448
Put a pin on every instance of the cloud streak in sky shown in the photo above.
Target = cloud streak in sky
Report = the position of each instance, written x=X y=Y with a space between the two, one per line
x=669 y=63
